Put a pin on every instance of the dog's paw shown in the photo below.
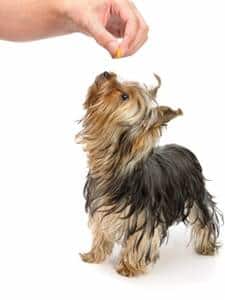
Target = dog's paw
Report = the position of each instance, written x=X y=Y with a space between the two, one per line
x=92 y=257
x=128 y=271
x=208 y=250
x=88 y=257
x=124 y=271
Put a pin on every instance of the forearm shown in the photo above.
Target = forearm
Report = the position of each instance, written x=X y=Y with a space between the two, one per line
x=23 y=20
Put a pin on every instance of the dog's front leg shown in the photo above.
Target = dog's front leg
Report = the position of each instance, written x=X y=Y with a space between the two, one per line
x=139 y=251
x=101 y=248
x=102 y=243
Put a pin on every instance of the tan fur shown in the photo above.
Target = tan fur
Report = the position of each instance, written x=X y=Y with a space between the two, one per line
x=106 y=230
x=132 y=261
x=204 y=243
x=109 y=229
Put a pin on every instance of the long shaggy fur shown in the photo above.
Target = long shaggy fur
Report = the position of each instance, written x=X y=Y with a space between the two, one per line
x=136 y=190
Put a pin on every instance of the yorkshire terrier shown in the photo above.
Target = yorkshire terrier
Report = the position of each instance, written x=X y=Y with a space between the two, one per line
x=136 y=190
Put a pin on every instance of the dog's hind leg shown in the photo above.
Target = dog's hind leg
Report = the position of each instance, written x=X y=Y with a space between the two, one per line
x=139 y=250
x=204 y=218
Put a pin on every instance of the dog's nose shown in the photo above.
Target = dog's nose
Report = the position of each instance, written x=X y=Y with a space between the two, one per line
x=106 y=75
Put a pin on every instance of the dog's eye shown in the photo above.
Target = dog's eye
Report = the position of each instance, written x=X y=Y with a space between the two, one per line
x=124 y=96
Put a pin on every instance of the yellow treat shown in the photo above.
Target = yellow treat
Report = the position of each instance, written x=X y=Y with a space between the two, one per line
x=118 y=53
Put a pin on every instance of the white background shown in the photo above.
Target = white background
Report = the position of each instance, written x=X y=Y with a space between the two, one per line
x=43 y=84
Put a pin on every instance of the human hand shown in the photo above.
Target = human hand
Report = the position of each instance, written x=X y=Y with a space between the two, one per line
x=108 y=20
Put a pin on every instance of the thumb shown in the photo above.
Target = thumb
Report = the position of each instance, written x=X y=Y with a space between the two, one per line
x=104 y=37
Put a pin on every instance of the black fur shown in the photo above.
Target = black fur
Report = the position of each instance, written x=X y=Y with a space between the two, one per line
x=163 y=186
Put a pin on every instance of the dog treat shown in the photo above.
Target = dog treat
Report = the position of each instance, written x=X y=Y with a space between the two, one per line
x=118 y=53
x=135 y=190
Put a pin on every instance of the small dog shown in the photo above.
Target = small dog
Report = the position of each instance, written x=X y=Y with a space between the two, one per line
x=136 y=190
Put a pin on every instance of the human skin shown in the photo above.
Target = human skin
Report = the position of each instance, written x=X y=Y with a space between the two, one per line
x=104 y=20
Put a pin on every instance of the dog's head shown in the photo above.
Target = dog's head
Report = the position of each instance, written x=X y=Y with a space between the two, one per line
x=122 y=113
x=126 y=104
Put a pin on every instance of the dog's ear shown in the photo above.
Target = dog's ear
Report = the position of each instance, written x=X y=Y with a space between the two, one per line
x=153 y=91
x=165 y=114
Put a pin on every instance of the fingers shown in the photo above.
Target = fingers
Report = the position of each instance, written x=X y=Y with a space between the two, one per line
x=141 y=36
x=136 y=29
x=115 y=25
x=103 y=37
x=130 y=19
x=126 y=21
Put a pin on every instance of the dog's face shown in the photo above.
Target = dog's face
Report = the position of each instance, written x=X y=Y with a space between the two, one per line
x=126 y=104
x=123 y=104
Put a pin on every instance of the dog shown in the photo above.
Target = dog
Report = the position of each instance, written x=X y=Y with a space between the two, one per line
x=136 y=190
